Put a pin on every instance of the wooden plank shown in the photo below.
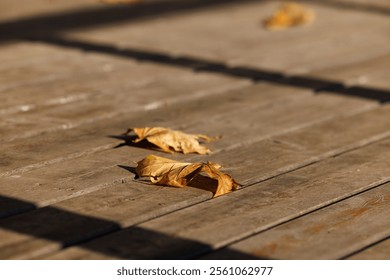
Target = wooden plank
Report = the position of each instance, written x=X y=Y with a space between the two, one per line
x=329 y=233
x=216 y=223
x=98 y=74
x=109 y=78
x=55 y=227
x=128 y=203
x=44 y=69
x=370 y=73
x=35 y=76
x=310 y=51
x=380 y=80
x=192 y=116
x=375 y=3
x=308 y=48
x=34 y=64
x=91 y=135
x=91 y=72
x=95 y=179
x=11 y=11
x=16 y=54
x=164 y=90
x=260 y=120
x=42 y=151
x=380 y=251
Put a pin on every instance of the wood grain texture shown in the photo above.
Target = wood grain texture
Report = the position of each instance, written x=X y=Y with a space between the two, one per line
x=298 y=50
x=124 y=202
x=246 y=212
x=96 y=108
x=97 y=76
x=380 y=251
x=371 y=73
x=35 y=8
x=99 y=168
x=185 y=115
x=309 y=143
x=329 y=233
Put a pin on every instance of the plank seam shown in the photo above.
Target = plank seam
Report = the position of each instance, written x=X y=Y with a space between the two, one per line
x=90 y=151
x=365 y=248
x=241 y=238
x=332 y=154
x=253 y=140
x=247 y=183
x=306 y=213
x=142 y=108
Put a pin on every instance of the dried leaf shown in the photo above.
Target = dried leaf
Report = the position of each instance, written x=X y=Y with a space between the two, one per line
x=163 y=171
x=288 y=15
x=172 y=140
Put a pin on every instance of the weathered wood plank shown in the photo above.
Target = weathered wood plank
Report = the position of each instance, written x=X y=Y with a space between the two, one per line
x=372 y=73
x=380 y=251
x=43 y=151
x=46 y=69
x=222 y=221
x=330 y=233
x=308 y=48
x=227 y=115
x=319 y=142
x=93 y=196
x=16 y=54
x=93 y=81
x=145 y=202
x=11 y=11
x=257 y=122
x=163 y=91
x=364 y=4
x=56 y=227
x=98 y=75
x=21 y=153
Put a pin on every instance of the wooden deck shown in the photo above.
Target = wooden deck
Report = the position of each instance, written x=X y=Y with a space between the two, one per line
x=304 y=116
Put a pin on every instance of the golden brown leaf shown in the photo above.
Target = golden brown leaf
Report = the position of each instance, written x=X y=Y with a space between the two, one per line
x=288 y=15
x=172 y=140
x=163 y=171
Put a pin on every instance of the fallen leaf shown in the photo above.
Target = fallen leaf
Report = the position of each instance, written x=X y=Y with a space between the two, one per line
x=172 y=140
x=288 y=15
x=163 y=171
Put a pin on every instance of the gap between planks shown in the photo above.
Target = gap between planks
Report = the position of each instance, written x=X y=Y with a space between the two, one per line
x=161 y=195
x=227 y=93
x=123 y=112
x=330 y=232
x=378 y=251
x=268 y=133
x=84 y=170
x=243 y=213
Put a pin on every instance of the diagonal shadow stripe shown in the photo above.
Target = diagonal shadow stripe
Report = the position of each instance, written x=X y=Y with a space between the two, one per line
x=203 y=65
x=103 y=15
x=10 y=206
x=68 y=228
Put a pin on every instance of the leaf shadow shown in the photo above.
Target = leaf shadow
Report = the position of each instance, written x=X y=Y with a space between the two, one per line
x=130 y=169
x=128 y=140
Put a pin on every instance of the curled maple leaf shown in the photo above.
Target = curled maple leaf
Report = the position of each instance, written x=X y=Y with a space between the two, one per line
x=288 y=15
x=163 y=171
x=172 y=140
